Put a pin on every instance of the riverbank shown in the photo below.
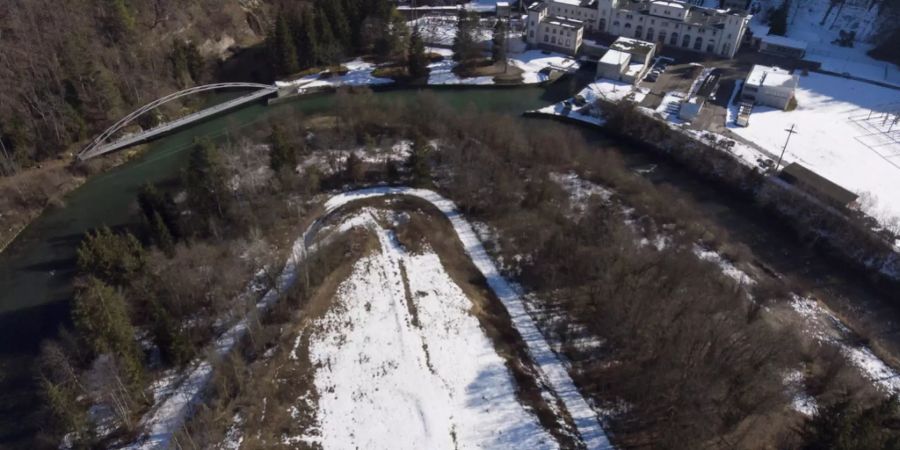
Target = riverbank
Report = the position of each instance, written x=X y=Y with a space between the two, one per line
x=845 y=236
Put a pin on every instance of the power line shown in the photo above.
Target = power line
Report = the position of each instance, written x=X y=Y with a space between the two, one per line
x=789 y=132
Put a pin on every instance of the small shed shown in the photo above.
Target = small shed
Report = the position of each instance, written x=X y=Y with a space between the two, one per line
x=782 y=46
x=817 y=185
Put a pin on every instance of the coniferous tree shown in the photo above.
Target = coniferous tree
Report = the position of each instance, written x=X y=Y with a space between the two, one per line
x=417 y=60
x=161 y=235
x=168 y=336
x=282 y=154
x=153 y=202
x=110 y=257
x=207 y=192
x=778 y=20
x=306 y=39
x=101 y=319
x=465 y=48
x=498 y=49
x=418 y=163
x=340 y=25
x=328 y=45
x=282 y=49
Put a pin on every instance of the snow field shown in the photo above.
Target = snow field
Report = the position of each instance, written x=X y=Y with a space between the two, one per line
x=550 y=365
x=393 y=380
x=829 y=142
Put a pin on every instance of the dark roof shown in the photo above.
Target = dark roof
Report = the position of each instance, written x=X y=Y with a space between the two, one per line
x=797 y=174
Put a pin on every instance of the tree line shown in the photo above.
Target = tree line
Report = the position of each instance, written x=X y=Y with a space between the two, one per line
x=70 y=67
x=324 y=32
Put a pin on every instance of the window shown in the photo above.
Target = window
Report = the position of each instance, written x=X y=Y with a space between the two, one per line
x=725 y=49
x=710 y=48
x=552 y=39
x=616 y=23
x=531 y=34
x=698 y=43
x=652 y=22
x=627 y=25
x=602 y=24
x=639 y=32
x=729 y=36
x=662 y=37
x=650 y=34
x=546 y=38
x=665 y=24
x=629 y=16
x=686 y=42
x=674 y=40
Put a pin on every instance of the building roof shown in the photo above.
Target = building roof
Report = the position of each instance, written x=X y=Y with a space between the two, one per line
x=615 y=57
x=780 y=80
x=759 y=73
x=564 y=22
x=782 y=41
x=797 y=174
x=697 y=15
x=669 y=4
x=582 y=3
x=633 y=46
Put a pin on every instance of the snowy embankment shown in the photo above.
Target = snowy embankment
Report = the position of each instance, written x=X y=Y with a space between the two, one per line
x=166 y=418
x=551 y=368
x=401 y=363
x=536 y=66
x=359 y=73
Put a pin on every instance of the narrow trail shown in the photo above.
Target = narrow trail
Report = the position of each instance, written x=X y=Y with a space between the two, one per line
x=166 y=418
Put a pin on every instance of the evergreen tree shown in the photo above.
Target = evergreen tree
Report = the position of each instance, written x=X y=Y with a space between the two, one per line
x=120 y=19
x=153 y=202
x=418 y=163
x=168 y=336
x=101 y=319
x=306 y=39
x=282 y=154
x=340 y=25
x=417 y=61
x=207 y=192
x=161 y=236
x=329 y=47
x=281 y=47
x=110 y=257
x=465 y=48
x=778 y=19
x=498 y=49
x=354 y=169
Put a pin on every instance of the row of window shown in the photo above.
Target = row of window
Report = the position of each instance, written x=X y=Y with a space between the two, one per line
x=651 y=36
x=552 y=40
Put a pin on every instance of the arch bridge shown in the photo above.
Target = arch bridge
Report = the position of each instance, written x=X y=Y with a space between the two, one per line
x=102 y=145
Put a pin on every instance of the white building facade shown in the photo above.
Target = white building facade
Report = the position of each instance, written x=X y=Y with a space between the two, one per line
x=670 y=23
x=554 y=32
x=769 y=86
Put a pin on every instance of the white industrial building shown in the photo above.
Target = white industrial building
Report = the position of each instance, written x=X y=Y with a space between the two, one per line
x=769 y=86
x=626 y=60
x=559 y=33
x=675 y=24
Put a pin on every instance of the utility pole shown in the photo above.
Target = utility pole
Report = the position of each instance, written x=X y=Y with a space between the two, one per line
x=789 y=132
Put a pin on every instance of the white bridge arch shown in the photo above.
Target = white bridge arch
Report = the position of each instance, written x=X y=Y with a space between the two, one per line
x=99 y=145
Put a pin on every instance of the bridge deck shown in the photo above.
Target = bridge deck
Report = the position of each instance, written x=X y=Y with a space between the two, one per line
x=173 y=125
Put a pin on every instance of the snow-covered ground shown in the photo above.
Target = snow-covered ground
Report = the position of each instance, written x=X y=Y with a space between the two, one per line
x=359 y=74
x=826 y=327
x=805 y=23
x=532 y=62
x=391 y=379
x=834 y=138
x=550 y=367
x=535 y=65
x=441 y=72
x=440 y=30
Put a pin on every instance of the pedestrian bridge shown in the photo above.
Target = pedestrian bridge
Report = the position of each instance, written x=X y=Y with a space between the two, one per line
x=104 y=144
